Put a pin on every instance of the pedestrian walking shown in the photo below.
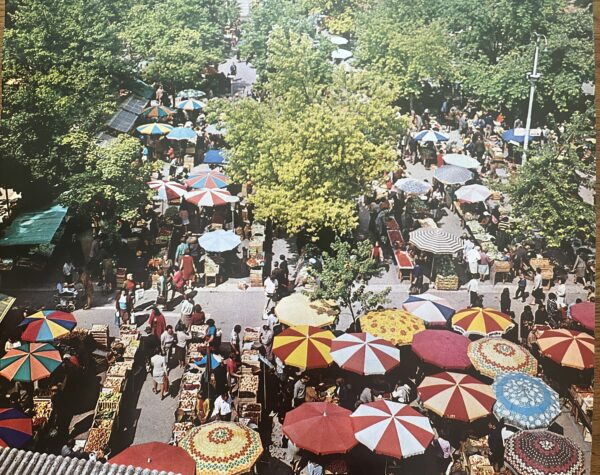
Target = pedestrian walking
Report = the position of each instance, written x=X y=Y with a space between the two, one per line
x=186 y=311
x=521 y=286
x=160 y=379
x=182 y=337
x=85 y=278
x=266 y=340
x=473 y=289
x=157 y=322
x=505 y=301
x=167 y=344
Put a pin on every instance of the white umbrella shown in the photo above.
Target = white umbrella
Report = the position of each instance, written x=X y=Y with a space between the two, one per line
x=460 y=160
x=341 y=53
x=219 y=241
x=473 y=193
x=338 y=40
x=411 y=185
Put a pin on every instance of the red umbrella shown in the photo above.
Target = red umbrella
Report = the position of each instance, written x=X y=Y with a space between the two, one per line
x=157 y=456
x=321 y=428
x=442 y=348
x=584 y=313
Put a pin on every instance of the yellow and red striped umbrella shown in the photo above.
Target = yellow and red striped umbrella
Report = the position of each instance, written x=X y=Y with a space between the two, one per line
x=457 y=396
x=304 y=347
x=481 y=321
x=568 y=347
x=397 y=326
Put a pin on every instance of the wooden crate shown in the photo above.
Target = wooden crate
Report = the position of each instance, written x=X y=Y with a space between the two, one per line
x=446 y=283
x=502 y=266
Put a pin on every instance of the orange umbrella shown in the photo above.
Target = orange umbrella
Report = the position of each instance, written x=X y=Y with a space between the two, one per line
x=397 y=326
x=30 y=362
x=481 y=321
x=304 y=347
x=568 y=347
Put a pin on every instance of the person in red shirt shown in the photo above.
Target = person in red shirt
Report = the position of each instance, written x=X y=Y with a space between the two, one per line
x=198 y=315
x=157 y=322
x=232 y=368
x=376 y=252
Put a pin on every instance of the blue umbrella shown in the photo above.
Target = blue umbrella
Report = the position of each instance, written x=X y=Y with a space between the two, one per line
x=214 y=129
x=182 y=133
x=410 y=185
x=219 y=241
x=431 y=136
x=215 y=361
x=517 y=135
x=214 y=156
x=452 y=175
x=525 y=401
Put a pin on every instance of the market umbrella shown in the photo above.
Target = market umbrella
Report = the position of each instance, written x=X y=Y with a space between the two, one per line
x=481 y=321
x=456 y=396
x=442 y=348
x=320 y=427
x=154 y=129
x=215 y=360
x=210 y=197
x=208 y=179
x=411 y=185
x=157 y=456
x=214 y=156
x=431 y=136
x=517 y=135
x=299 y=309
x=222 y=448
x=451 y=175
x=541 y=452
x=338 y=40
x=568 y=347
x=219 y=241
x=15 y=428
x=47 y=325
x=167 y=190
x=525 y=401
x=473 y=193
x=460 y=160
x=436 y=241
x=304 y=347
x=190 y=105
x=30 y=362
x=584 y=313
x=495 y=356
x=182 y=133
x=397 y=326
x=157 y=112
x=341 y=53
x=393 y=429
x=214 y=129
x=364 y=354
x=190 y=93
x=429 y=307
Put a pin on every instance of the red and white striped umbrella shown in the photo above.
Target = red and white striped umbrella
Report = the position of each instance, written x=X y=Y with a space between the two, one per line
x=167 y=190
x=391 y=428
x=456 y=396
x=364 y=354
x=210 y=197
x=568 y=347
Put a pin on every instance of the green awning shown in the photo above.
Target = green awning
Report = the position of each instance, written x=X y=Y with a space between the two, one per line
x=139 y=87
x=36 y=227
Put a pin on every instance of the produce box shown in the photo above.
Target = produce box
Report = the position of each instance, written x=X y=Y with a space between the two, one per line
x=198 y=331
x=114 y=384
x=108 y=401
x=502 y=266
x=248 y=386
x=187 y=400
x=192 y=380
x=446 y=283
x=97 y=439
x=251 y=411
x=119 y=369
x=128 y=330
x=250 y=357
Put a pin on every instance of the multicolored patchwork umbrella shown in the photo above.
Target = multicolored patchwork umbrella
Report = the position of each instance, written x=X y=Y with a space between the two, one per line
x=481 y=321
x=208 y=179
x=30 y=362
x=585 y=313
x=541 y=452
x=47 y=325
x=167 y=190
x=473 y=193
x=299 y=309
x=154 y=129
x=157 y=112
x=15 y=428
x=411 y=185
x=223 y=448
x=393 y=429
x=451 y=175
x=321 y=428
x=442 y=348
x=364 y=354
x=429 y=307
x=190 y=105
x=436 y=241
x=304 y=347
x=397 y=326
x=494 y=356
x=210 y=197
x=456 y=396
x=568 y=347
x=525 y=401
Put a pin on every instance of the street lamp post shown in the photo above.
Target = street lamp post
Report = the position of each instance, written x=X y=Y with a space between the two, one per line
x=533 y=79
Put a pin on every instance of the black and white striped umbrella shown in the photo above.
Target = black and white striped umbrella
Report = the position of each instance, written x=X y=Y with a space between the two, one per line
x=452 y=175
x=436 y=241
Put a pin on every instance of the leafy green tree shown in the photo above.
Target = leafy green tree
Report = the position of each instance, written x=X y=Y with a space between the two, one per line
x=113 y=183
x=340 y=15
x=545 y=195
x=344 y=278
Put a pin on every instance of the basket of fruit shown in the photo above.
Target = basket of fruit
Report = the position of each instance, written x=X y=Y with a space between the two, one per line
x=97 y=439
